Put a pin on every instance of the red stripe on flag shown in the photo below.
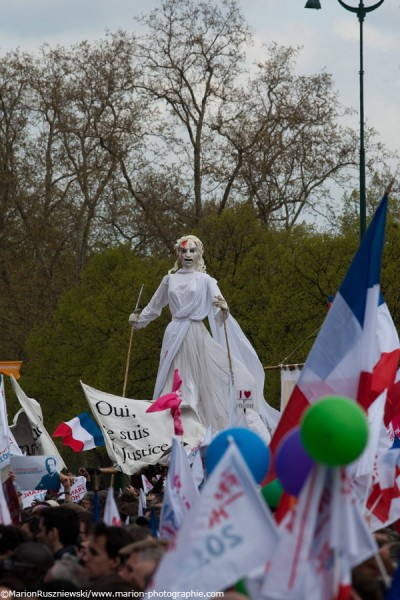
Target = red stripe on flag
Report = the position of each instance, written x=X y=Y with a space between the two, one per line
x=65 y=431
x=371 y=385
x=344 y=592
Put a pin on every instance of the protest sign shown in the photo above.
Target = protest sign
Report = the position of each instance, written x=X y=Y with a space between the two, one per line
x=134 y=438
x=35 y=472
x=228 y=533
x=30 y=496
x=78 y=489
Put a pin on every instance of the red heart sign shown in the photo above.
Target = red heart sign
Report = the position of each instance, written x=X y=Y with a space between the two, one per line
x=247 y=394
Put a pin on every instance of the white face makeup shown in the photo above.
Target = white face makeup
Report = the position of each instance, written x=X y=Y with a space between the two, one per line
x=188 y=254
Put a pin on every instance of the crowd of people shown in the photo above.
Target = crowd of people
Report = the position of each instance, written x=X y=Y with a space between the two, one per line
x=58 y=546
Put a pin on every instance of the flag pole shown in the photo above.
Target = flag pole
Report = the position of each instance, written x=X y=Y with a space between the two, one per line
x=128 y=358
x=233 y=407
x=229 y=354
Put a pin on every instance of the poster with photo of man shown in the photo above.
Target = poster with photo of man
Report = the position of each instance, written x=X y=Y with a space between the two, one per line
x=36 y=472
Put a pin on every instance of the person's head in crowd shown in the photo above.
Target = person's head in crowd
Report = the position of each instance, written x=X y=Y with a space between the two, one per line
x=103 y=552
x=30 y=526
x=29 y=563
x=8 y=585
x=38 y=506
x=10 y=537
x=86 y=527
x=68 y=569
x=143 y=523
x=113 y=583
x=139 y=532
x=86 y=524
x=59 y=529
x=140 y=561
x=87 y=501
x=59 y=586
x=367 y=577
x=127 y=509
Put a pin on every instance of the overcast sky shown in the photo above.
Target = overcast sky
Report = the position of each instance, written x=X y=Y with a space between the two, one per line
x=329 y=37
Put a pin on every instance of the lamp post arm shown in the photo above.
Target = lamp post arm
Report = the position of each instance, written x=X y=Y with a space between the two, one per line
x=361 y=10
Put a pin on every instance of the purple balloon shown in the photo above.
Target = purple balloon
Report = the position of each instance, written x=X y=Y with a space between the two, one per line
x=292 y=463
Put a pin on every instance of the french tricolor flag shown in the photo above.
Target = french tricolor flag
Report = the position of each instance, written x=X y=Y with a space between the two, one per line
x=356 y=352
x=80 y=433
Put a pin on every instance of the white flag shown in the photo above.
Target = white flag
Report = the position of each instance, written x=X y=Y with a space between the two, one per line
x=4 y=437
x=180 y=492
x=142 y=503
x=198 y=470
x=322 y=539
x=5 y=517
x=147 y=486
x=111 y=514
x=228 y=533
x=15 y=450
x=43 y=444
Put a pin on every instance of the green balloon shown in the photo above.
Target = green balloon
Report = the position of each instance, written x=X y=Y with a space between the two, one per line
x=334 y=431
x=241 y=587
x=272 y=493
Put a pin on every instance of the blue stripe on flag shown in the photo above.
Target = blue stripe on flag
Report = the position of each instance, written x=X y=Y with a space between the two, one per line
x=87 y=423
x=364 y=271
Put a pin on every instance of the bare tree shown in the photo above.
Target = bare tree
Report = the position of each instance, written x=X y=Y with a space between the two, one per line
x=284 y=141
x=191 y=57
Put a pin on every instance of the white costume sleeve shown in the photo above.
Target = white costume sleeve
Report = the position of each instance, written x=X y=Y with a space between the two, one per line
x=156 y=304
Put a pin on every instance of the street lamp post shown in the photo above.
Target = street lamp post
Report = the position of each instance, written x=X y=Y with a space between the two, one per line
x=361 y=10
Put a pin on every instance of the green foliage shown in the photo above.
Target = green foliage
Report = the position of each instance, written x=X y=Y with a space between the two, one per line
x=88 y=336
x=276 y=283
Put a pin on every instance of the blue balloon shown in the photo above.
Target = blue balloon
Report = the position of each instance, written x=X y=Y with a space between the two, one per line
x=253 y=449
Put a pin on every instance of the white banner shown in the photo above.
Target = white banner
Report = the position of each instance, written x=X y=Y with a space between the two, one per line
x=4 y=437
x=134 y=438
x=41 y=444
x=228 y=533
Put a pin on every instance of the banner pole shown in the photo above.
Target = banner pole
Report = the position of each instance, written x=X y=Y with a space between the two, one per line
x=128 y=358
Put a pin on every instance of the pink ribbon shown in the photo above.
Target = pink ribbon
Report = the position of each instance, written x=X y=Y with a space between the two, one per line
x=171 y=401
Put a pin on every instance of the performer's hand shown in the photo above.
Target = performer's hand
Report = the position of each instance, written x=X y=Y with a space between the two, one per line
x=221 y=303
x=133 y=319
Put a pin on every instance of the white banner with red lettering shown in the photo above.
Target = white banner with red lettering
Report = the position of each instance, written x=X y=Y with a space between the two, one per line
x=228 y=533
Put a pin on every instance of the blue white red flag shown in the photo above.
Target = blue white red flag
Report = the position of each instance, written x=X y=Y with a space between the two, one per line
x=80 y=433
x=356 y=352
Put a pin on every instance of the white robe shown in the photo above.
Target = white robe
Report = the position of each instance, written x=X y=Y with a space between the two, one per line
x=208 y=384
